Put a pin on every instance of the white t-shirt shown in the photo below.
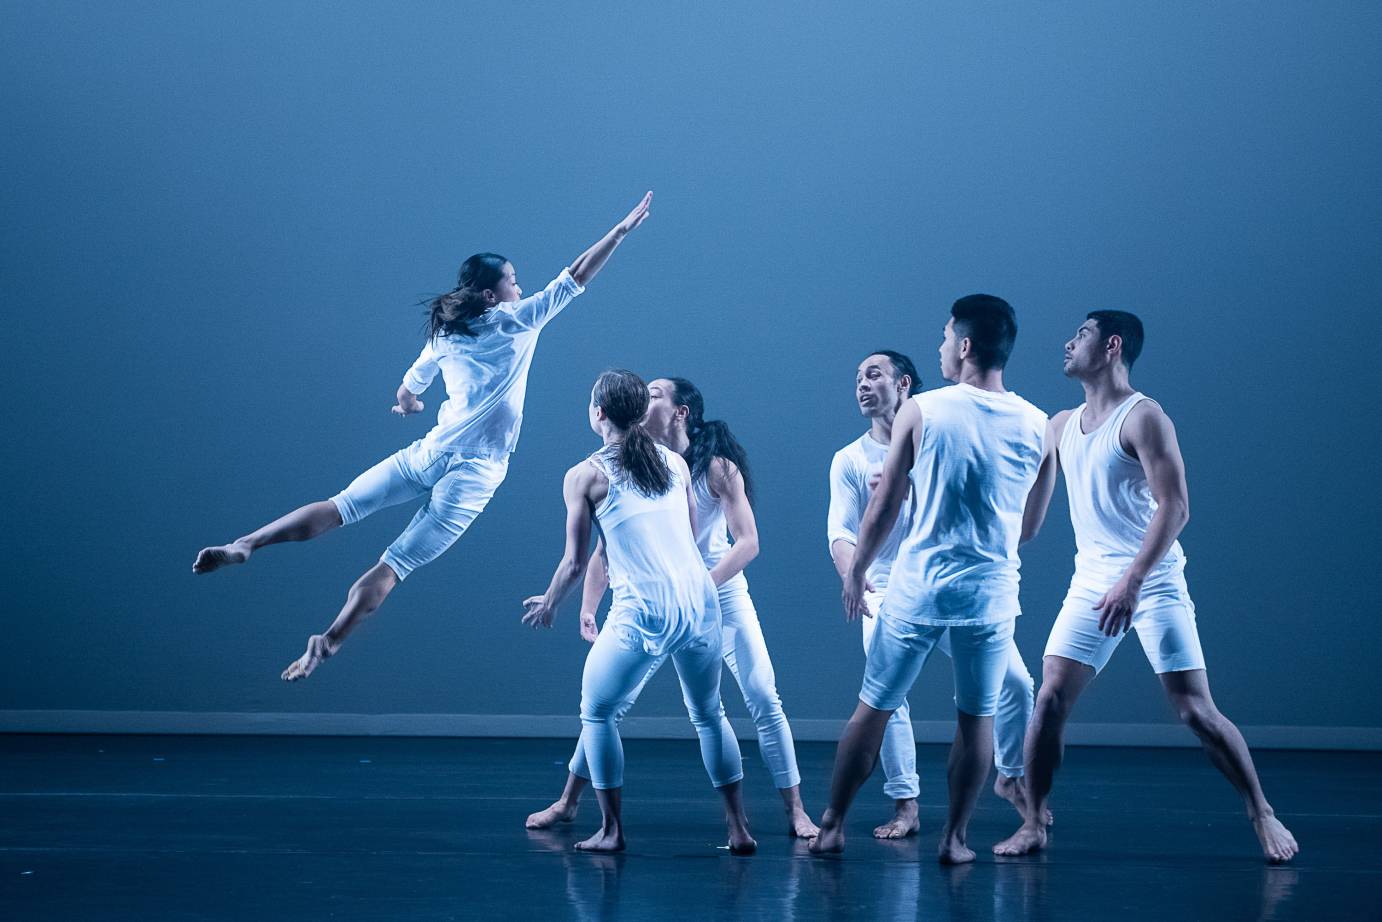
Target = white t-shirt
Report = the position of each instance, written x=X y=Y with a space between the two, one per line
x=978 y=459
x=850 y=471
x=486 y=375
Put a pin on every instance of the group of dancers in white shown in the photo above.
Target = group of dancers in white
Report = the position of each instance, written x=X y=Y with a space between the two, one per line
x=927 y=511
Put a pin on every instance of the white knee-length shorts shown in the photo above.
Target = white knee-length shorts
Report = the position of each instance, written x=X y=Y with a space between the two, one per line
x=1164 y=621
x=459 y=488
x=899 y=650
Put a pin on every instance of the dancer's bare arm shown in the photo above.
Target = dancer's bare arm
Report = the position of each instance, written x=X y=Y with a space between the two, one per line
x=679 y=464
x=407 y=402
x=1039 y=498
x=576 y=490
x=884 y=506
x=1149 y=436
x=596 y=582
x=727 y=483
x=589 y=263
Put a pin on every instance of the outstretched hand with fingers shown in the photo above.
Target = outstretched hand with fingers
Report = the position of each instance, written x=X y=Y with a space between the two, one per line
x=635 y=217
x=852 y=595
x=536 y=612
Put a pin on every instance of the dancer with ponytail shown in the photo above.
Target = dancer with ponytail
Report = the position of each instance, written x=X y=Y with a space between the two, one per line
x=481 y=338
x=722 y=489
x=640 y=496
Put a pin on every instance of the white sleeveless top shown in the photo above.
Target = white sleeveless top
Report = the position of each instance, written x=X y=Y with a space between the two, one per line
x=660 y=585
x=978 y=459
x=1111 y=503
x=712 y=531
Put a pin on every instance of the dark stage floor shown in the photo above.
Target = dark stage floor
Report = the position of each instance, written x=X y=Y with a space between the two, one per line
x=256 y=828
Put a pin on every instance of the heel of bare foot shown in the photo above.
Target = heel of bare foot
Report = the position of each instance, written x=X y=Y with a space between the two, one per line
x=1028 y=839
x=319 y=649
x=1278 y=845
x=799 y=825
x=903 y=824
x=559 y=812
x=606 y=840
x=953 y=850
x=740 y=842
x=830 y=840
x=210 y=559
x=1014 y=791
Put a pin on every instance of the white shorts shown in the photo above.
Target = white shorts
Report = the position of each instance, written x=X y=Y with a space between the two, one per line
x=459 y=488
x=1164 y=621
x=899 y=649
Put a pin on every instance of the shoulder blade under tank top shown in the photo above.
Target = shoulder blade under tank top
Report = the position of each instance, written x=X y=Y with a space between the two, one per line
x=1111 y=503
x=660 y=585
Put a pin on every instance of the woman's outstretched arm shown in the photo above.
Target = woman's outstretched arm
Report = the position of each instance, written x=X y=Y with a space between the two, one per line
x=589 y=263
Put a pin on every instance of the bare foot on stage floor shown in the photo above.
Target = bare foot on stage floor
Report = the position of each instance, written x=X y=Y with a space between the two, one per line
x=1014 y=791
x=801 y=826
x=559 y=812
x=318 y=649
x=606 y=840
x=830 y=841
x=223 y=555
x=903 y=824
x=1278 y=845
x=740 y=842
x=953 y=850
x=1026 y=840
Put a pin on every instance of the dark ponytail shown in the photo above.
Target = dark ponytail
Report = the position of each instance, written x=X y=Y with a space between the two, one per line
x=450 y=314
x=624 y=398
x=710 y=438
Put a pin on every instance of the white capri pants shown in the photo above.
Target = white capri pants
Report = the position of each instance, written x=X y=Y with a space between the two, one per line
x=899 y=649
x=746 y=654
x=616 y=668
x=460 y=489
x=1164 y=621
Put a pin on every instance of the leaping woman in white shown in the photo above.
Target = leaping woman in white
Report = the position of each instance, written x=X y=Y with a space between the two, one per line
x=481 y=338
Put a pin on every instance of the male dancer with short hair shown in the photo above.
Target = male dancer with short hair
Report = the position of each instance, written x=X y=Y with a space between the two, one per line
x=884 y=381
x=972 y=452
x=1128 y=503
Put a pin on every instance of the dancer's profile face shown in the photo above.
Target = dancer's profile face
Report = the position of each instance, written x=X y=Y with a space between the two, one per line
x=594 y=413
x=877 y=386
x=1084 y=352
x=950 y=352
x=507 y=288
x=663 y=413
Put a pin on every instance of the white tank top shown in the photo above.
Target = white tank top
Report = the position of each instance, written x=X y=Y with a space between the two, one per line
x=712 y=531
x=660 y=585
x=1111 y=503
x=978 y=459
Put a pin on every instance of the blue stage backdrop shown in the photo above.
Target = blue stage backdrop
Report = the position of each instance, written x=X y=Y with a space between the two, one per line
x=218 y=217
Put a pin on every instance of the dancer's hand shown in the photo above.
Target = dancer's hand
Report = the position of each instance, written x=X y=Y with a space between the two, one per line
x=635 y=217
x=588 y=629
x=408 y=403
x=1117 y=606
x=855 y=586
x=537 y=613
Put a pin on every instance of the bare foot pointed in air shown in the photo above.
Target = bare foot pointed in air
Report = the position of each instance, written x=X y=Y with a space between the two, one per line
x=1278 y=845
x=1014 y=791
x=210 y=559
x=606 y=840
x=559 y=812
x=953 y=850
x=318 y=649
x=903 y=824
x=1029 y=838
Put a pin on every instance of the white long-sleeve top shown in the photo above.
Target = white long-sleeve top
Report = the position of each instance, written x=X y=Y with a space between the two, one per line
x=486 y=376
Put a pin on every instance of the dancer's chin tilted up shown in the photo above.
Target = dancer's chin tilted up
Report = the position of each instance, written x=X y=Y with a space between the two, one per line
x=641 y=498
x=482 y=335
